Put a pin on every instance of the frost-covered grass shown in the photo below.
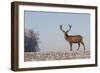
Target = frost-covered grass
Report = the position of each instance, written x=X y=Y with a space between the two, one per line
x=44 y=56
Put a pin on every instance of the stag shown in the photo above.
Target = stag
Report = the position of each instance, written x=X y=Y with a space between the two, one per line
x=78 y=39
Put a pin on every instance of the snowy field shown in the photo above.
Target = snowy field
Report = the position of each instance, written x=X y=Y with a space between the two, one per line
x=44 y=56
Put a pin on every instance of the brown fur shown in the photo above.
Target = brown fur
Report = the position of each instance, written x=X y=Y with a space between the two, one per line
x=72 y=38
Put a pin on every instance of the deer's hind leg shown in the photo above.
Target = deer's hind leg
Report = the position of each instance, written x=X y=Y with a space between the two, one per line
x=78 y=46
x=83 y=45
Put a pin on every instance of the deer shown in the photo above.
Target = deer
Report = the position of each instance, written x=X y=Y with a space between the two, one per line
x=78 y=39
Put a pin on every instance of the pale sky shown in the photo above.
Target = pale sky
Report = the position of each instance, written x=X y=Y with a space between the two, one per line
x=51 y=37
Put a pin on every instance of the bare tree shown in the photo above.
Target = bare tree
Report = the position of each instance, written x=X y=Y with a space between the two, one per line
x=31 y=41
x=72 y=38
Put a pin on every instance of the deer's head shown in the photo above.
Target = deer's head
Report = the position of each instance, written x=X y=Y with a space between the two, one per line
x=65 y=32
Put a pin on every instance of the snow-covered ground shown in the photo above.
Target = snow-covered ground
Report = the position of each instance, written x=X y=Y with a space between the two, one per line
x=40 y=56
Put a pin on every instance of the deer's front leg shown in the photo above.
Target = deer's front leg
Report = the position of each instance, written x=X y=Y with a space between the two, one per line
x=70 y=46
x=78 y=46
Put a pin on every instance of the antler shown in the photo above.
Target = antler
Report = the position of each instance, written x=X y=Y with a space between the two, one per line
x=69 y=28
x=61 y=28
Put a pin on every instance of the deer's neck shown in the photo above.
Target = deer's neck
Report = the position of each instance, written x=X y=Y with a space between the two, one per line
x=66 y=35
